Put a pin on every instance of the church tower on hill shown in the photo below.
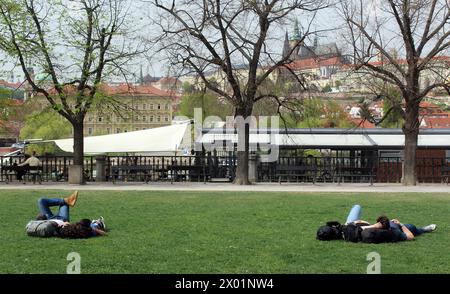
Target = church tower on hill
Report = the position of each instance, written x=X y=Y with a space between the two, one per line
x=305 y=51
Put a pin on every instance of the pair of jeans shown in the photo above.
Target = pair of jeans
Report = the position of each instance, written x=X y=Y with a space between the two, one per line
x=63 y=212
x=354 y=214
x=414 y=230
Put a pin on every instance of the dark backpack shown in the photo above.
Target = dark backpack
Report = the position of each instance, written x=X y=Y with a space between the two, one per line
x=377 y=236
x=331 y=231
x=352 y=232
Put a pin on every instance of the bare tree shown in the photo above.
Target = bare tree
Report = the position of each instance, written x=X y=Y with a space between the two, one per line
x=234 y=38
x=76 y=44
x=402 y=43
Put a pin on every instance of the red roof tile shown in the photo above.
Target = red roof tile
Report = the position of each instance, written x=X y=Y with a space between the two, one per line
x=16 y=102
x=363 y=123
x=146 y=90
x=10 y=85
x=126 y=90
x=4 y=150
x=426 y=104
x=437 y=122
x=311 y=63
x=169 y=80
x=404 y=61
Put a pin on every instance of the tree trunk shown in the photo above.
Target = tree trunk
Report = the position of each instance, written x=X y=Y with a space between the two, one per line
x=78 y=144
x=77 y=176
x=411 y=131
x=242 y=169
x=243 y=148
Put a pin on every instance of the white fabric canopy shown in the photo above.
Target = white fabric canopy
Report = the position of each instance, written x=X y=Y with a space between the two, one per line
x=318 y=140
x=158 y=140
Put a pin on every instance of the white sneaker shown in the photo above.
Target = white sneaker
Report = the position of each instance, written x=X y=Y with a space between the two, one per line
x=430 y=228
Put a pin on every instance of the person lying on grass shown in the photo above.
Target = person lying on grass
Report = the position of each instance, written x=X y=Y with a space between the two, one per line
x=48 y=224
x=401 y=232
x=357 y=230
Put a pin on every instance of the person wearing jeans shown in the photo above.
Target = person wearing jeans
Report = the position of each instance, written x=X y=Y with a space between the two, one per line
x=415 y=230
x=83 y=229
x=403 y=231
x=408 y=232
x=62 y=218
x=45 y=205
x=354 y=214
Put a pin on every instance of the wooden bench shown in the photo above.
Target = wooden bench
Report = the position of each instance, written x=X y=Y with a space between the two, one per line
x=35 y=172
x=186 y=172
x=130 y=171
x=26 y=172
x=356 y=172
x=295 y=171
x=5 y=174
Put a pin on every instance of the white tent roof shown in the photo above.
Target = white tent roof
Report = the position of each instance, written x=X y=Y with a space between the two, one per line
x=326 y=138
x=165 y=139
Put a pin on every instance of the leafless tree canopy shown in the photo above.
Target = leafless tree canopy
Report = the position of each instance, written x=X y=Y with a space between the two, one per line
x=408 y=37
x=231 y=37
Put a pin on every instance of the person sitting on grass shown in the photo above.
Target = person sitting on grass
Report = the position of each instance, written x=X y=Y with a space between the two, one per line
x=85 y=228
x=401 y=232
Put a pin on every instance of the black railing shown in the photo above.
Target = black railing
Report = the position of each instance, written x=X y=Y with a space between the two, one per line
x=54 y=168
x=170 y=168
x=351 y=169
x=202 y=168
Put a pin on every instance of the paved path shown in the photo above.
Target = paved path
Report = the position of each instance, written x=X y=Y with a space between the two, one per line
x=262 y=187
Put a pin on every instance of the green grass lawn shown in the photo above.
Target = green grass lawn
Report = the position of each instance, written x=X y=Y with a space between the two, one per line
x=223 y=232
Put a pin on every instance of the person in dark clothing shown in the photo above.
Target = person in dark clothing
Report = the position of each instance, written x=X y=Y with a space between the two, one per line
x=399 y=231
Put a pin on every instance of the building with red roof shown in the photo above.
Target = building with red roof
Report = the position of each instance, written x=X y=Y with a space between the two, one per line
x=169 y=84
x=433 y=117
x=127 y=107
x=13 y=90
x=315 y=61
x=139 y=107
x=362 y=123
x=12 y=86
x=435 y=123
x=134 y=90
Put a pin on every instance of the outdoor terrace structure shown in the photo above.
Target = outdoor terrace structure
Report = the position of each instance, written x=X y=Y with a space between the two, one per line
x=299 y=155
x=373 y=155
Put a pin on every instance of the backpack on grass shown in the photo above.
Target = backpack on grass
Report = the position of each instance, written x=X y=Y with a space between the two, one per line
x=41 y=228
x=331 y=231
x=352 y=232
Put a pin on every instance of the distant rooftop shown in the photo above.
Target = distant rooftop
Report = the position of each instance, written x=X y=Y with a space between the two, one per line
x=126 y=90
x=9 y=85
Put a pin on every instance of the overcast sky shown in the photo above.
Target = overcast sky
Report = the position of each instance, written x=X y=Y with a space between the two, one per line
x=141 y=14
